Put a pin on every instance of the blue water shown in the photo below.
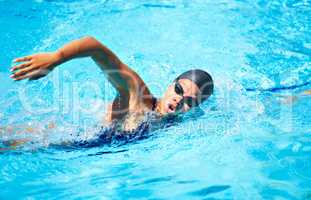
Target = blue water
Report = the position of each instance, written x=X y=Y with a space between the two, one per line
x=249 y=144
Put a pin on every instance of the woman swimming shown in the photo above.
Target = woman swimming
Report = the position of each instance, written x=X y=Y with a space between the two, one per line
x=134 y=99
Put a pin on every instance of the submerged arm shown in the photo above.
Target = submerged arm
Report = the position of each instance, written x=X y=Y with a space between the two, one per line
x=289 y=99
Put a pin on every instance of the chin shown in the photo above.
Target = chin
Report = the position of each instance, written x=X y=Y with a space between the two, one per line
x=166 y=110
x=165 y=113
x=171 y=112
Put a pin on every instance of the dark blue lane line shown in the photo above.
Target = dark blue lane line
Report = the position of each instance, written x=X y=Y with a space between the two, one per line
x=158 y=5
x=276 y=89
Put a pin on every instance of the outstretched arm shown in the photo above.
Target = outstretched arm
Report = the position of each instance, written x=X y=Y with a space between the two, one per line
x=124 y=79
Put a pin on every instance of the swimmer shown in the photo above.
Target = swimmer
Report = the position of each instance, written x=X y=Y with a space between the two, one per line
x=134 y=98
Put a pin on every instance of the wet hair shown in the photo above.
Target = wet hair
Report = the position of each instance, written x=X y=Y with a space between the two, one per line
x=202 y=79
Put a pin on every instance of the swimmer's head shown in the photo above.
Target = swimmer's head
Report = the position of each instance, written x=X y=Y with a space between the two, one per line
x=187 y=91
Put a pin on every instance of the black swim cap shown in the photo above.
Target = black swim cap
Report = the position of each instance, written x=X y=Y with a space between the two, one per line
x=202 y=79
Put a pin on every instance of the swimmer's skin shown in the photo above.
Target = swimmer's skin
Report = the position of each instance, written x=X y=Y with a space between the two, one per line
x=129 y=85
x=18 y=130
x=133 y=94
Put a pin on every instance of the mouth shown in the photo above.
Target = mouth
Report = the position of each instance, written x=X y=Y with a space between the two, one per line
x=170 y=108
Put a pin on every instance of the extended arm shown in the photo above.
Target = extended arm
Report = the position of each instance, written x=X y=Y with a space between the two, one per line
x=120 y=75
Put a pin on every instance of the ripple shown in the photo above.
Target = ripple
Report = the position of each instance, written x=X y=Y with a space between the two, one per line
x=210 y=190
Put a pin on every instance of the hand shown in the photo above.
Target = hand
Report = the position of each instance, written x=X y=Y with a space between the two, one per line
x=34 y=66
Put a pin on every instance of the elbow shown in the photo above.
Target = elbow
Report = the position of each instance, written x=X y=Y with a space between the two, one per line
x=90 y=39
x=92 y=43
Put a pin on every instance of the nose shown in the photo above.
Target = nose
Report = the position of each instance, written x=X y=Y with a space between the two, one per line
x=176 y=101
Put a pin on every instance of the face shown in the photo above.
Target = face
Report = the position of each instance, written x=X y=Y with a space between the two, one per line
x=180 y=96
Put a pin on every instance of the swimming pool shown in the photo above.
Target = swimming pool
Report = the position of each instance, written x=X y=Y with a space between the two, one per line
x=249 y=144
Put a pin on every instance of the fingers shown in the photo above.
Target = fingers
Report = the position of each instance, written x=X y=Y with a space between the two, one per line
x=23 y=71
x=21 y=66
x=32 y=75
x=22 y=59
x=25 y=76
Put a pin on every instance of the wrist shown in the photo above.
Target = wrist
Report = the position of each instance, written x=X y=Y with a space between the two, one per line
x=58 y=57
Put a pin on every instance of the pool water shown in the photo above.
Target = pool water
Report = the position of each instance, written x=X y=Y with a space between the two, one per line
x=251 y=143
